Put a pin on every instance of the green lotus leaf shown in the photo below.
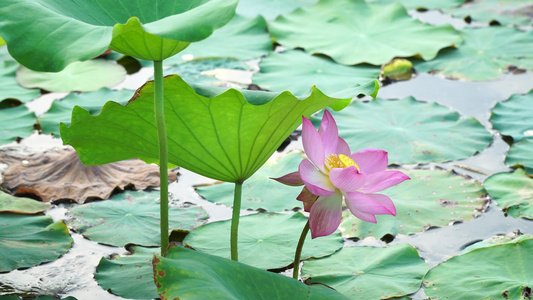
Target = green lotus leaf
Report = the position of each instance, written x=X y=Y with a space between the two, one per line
x=481 y=56
x=129 y=276
x=513 y=117
x=191 y=72
x=61 y=111
x=417 y=4
x=369 y=272
x=353 y=32
x=508 y=12
x=520 y=155
x=25 y=297
x=431 y=198
x=130 y=218
x=497 y=272
x=411 y=131
x=31 y=240
x=260 y=191
x=15 y=123
x=497 y=240
x=266 y=241
x=227 y=137
x=297 y=71
x=242 y=38
x=513 y=192
x=47 y=35
x=270 y=9
x=83 y=76
x=21 y=205
x=2 y=42
x=191 y=275
x=10 y=89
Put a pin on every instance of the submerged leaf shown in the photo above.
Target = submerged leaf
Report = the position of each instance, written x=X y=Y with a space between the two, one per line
x=227 y=137
x=59 y=175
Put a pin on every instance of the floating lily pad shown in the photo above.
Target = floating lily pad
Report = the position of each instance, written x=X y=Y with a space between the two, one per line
x=241 y=39
x=481 y=56
x=497 y=240
x=191 y=71
x=21 y=205
x=297 y=72
x=411 y=131
x=10 y=89
x=353 y=32
x=188 y=274
x=47 y=36
x=266 y=241
x=513 y=192
x=227 y=137
x=497 y=272
x=369 y=272
x=15 y=123
x=31 y=240
x=130 y=218
x=61 y=111
x=513 y=117
x=508 y=12
x=417 y=4
x=520 y=155
x=260 y=191
x=431 y=198
x=130 y=276
x=270 y=9
x=85 y=76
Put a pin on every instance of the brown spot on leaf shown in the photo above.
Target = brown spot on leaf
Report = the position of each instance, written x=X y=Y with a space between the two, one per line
x=161 y=273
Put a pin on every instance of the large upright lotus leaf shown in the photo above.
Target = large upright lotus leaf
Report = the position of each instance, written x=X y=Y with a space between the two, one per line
x=47 y=35
x=82 y=76
x=431 y=198
x=353 y=32
x=266 y=241
x=61 y=111
x=481 y=56
x=369 y=272
x=130 y=276
x=513 y=117
x=270 y=9
x=241 y=39
x=513 y=192
x=260 y=191
x=16 y=122
x=508 y=12
x=191 y=275
x=520 y=155
x=297 y=71
x=21 y=205
x=417 y=4
x=31 y=240
x=10 y=89
x=411 y=131
x=227 y=137
x=130 y=218
x=192 y=72
x=497 y=272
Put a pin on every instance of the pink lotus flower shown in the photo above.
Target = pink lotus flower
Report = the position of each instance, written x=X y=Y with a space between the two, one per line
x=331 y=173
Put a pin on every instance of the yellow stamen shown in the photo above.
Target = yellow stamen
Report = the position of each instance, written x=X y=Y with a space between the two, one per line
x=338 y=161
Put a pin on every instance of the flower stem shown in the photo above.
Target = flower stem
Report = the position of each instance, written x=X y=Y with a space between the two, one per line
x=235 y=221
x=298 y=252
x=159 y=109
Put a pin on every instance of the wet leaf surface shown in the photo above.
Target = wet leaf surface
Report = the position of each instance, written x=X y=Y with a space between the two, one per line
x=58 y=174
x=31 y=240
x=260 y=191
x=266 y=241
x=369 y=272
x=501 y=271
x=21 y=205
x=353 y=32
x=192 y=72
x=188 y=274
x=513 y=192
x=131 y=217
x=430 y=198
